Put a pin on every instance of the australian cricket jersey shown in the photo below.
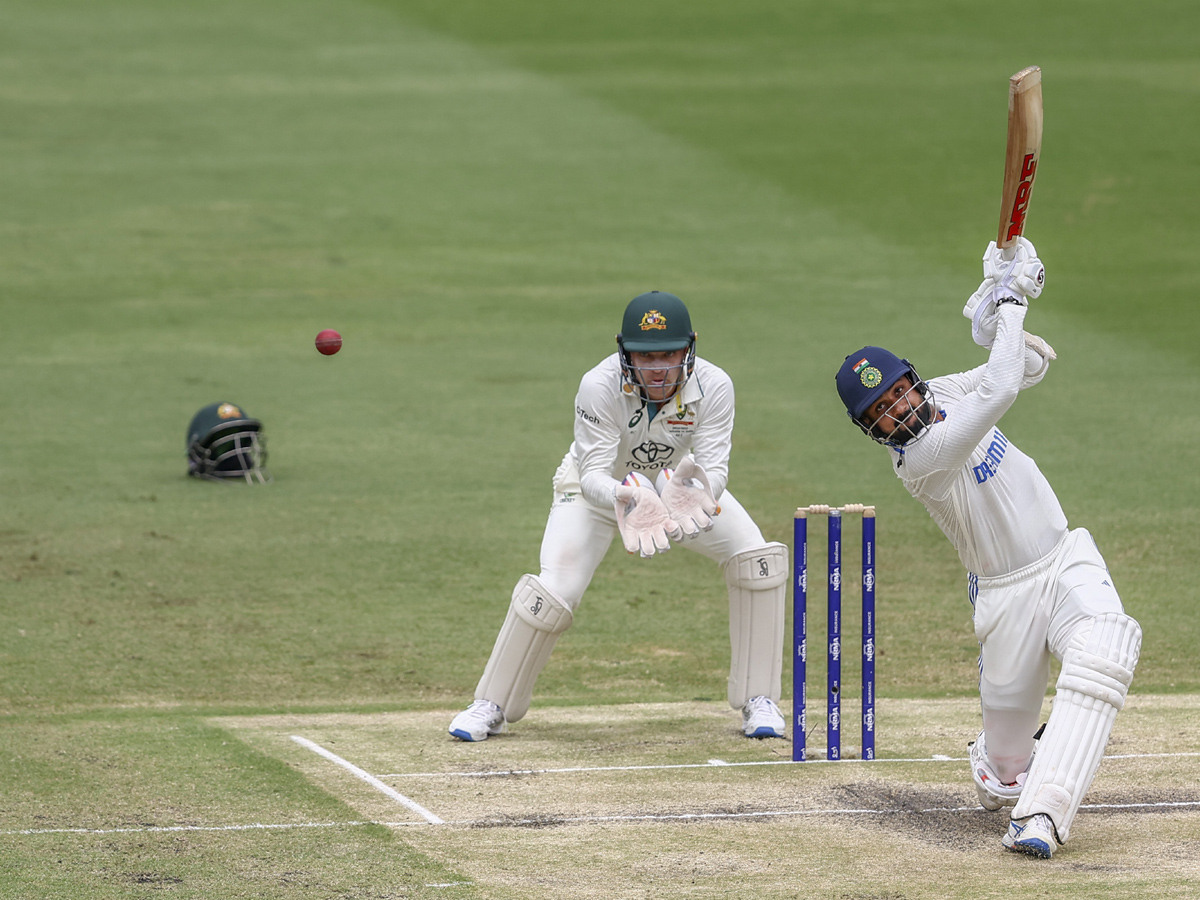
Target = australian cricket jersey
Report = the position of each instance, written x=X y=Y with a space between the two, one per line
x=988 y=497
x=617 y=432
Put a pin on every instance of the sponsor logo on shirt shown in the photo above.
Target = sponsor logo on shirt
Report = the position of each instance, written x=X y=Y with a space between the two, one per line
x=652 y=452
x=993 y=456
x=587 y=416
x=650 y=457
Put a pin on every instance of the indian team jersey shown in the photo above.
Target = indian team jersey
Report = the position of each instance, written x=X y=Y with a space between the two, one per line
x=615 y=432
x=989 y=498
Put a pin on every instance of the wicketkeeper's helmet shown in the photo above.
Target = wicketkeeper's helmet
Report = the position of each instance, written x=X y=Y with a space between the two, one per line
x=224 y=444
x=655 y=321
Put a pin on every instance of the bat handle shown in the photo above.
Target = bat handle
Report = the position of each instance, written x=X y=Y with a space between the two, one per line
x=1009 y=253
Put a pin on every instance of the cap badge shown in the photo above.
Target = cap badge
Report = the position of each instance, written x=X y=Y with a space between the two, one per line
x=654 y=321
x=228 y=411
x=870 y=376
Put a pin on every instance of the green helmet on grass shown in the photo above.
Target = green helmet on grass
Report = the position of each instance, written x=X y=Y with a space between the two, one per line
x=223 y=444
x=655 y=322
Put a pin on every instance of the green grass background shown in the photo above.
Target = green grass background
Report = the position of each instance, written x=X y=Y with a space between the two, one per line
x=470 y=192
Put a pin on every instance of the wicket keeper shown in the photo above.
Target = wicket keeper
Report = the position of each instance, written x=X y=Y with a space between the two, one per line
x=650 y=461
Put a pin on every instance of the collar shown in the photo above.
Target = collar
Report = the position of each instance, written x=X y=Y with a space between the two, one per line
x=686 y=395
x=689 y=393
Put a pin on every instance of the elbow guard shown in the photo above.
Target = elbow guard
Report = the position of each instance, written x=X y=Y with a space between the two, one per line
x=1037 y=358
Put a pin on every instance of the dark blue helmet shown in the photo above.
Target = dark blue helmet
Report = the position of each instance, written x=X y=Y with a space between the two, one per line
x=868 y=374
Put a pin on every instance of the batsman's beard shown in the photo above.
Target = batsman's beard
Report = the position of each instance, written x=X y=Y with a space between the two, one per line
x=912 y=426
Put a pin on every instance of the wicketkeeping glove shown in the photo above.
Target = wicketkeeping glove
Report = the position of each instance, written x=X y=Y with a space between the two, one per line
x=688 y=497
x=645 y=525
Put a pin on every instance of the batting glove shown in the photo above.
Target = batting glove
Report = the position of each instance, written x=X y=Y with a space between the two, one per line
x=1024 y=274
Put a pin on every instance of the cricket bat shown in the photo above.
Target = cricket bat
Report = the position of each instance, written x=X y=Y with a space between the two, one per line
x=1021 y=157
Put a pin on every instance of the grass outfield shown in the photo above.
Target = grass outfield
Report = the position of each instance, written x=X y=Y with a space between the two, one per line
x=470 y=193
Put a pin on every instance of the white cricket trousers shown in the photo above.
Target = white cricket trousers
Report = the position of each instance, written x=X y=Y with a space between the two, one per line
x=1021 y=620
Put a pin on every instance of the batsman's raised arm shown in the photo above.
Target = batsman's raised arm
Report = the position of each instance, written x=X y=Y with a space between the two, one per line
x=949 y=446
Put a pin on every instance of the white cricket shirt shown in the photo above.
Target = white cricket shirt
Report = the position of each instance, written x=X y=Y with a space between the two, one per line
x=989 y=498
x=614 y=433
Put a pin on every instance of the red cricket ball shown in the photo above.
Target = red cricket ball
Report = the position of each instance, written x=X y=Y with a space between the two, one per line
x=329 y=342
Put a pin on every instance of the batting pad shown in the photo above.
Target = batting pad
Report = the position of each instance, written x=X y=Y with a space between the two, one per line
x=757 y=581
x=1095 y=677
x=535 y=619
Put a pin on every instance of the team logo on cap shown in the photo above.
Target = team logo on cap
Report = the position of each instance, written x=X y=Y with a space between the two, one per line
x=870 y=376
x=228 y=411
x=654 y=321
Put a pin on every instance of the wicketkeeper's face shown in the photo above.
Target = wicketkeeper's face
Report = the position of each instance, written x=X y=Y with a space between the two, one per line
x=660 y=372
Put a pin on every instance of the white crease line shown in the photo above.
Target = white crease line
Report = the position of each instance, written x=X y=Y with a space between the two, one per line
x=1163 y=805
x=1149 y=755
x=711 y=764
x=714 y=763
x=369 y=779
x=151 y=829
x=553 y=820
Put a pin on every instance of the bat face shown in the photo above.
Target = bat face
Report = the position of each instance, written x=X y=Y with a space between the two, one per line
x=1016 y=217
x=1021 y=156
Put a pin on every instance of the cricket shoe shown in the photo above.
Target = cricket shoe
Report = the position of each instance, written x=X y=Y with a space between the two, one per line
x=1033 y=837
x=761 y=718
x=477 y=721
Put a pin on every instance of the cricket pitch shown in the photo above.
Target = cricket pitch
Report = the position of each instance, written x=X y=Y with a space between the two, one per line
x=670 y=800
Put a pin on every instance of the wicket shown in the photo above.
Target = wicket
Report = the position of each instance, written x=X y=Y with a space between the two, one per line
x=833 y=719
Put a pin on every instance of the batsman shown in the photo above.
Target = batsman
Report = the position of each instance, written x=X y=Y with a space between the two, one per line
x=1039 y=589
x=650 y=461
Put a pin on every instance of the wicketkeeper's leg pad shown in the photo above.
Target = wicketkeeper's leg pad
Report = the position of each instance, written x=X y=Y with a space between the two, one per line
x=757 y=581
x=1096 y=671
x=535 y=619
